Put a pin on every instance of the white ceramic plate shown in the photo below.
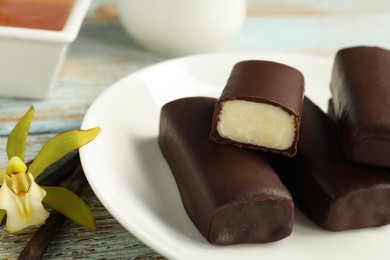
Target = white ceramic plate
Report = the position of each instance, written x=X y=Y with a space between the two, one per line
x=131 y=178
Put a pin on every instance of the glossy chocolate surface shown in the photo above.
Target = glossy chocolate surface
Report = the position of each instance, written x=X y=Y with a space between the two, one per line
x=266 y=82
x=360 y=89
x=334 y=192
x=232 y=195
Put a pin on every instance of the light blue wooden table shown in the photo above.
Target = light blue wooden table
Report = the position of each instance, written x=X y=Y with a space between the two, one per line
x=103 y=53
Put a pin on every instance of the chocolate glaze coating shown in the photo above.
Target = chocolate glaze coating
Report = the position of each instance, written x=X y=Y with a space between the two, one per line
x=360 y=89
x=335 y=193
x=232 y=195
x=265 y=82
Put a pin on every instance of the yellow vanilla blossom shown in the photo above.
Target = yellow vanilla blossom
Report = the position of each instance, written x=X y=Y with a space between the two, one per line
x=21 y=197
x=23 y=202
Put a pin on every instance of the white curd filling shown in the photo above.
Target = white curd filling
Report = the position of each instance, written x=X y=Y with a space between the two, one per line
x=256 y=123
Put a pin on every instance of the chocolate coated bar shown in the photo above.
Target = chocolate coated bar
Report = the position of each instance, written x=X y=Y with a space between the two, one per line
x=260 y=107
x=335 y=193
x=232 y=195
x=360 y=89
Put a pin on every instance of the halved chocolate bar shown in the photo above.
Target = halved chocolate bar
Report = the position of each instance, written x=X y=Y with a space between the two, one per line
x=360 y=89
x=232 y=195
x=260 y=107
x=334 y=192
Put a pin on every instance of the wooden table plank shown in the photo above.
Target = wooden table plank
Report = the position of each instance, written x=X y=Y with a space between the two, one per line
x=322 y=35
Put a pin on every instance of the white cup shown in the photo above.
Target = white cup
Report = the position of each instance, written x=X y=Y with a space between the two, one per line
x=182 y=27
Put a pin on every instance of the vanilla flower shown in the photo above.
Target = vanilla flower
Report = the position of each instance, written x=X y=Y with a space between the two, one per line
x=21 y=197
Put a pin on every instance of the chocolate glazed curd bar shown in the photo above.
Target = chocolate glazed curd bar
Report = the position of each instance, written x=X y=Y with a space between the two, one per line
x=232 y=195
x=334 y=192
x=360 y=89
x=260 y=107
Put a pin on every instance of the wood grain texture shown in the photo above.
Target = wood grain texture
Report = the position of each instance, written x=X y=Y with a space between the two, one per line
x=318 y=35
x=315 y=8
x=103 y=53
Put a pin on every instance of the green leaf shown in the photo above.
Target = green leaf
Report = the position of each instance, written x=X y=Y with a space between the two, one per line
x=2 y=214
x=59 y=146
x=69 y=205
x=16 y=144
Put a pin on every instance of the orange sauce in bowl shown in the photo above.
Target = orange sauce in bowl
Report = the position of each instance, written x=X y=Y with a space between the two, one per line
x=35 y=14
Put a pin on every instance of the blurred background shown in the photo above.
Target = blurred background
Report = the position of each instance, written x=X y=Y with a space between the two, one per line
x=315 y=27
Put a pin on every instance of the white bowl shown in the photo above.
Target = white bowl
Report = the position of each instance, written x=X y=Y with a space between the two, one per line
x=182 y=27
x=30 y=58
